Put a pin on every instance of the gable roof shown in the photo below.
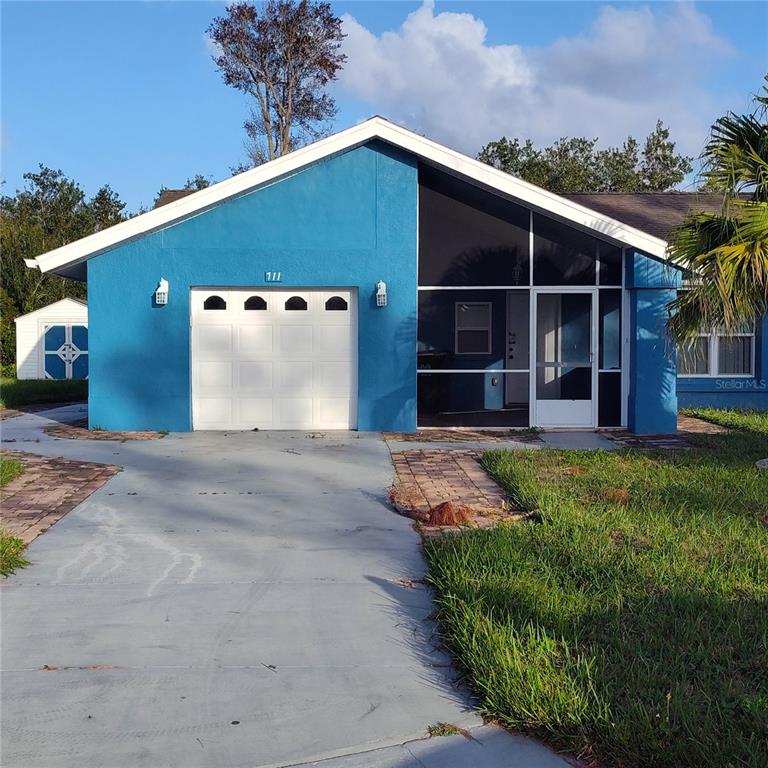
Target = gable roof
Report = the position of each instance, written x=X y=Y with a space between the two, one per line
x=66 y=300
x=656 y=213
x=66 y=259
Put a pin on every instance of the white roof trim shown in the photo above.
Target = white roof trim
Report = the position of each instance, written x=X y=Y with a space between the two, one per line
x=374 y=128
x=66 y=300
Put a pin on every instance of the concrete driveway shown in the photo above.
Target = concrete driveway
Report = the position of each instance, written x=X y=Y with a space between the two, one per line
x=241 y=599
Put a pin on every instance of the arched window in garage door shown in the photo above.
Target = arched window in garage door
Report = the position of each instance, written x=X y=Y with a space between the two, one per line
x=214 y=302
x=296 y=303
x=336 y=304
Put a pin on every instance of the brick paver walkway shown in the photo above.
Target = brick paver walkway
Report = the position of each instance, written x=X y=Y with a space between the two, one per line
x=425 y=479
x=48 y=489
x=692 y=425
x=78 y=430
x=687 y=426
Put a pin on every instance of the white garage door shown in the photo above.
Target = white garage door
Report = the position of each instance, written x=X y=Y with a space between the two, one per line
x=274 y=359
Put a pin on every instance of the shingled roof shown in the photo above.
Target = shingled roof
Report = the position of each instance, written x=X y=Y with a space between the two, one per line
x=656 y=213
x=171 y=196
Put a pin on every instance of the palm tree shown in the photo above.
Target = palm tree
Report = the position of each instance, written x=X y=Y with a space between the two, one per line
x=725 y=254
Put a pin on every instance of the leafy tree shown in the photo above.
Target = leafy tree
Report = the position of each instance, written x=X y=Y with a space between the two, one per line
x=661 y=168
x=282 y=55
x=50 y=212
x=198 y=182
x=577 y=165
x=726 y=253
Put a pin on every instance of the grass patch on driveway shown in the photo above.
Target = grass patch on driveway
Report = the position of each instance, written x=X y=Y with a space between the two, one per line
x=17 y=392
x=11 y=553
x=631 y=624
x=11 y=547
x=10 y=469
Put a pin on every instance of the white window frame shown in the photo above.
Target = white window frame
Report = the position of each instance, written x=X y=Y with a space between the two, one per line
x=488 y=328
x=713 y=350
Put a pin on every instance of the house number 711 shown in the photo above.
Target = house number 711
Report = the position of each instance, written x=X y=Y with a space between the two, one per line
x=273 y=277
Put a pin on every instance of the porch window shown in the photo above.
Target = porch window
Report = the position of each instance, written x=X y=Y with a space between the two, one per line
x=473 y=328
x=468 y=236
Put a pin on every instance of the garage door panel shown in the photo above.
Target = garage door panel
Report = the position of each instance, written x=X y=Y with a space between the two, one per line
x=256 y=412
x=214 y=411
x=214 y=375
x=255 y=339
x=274 y=368
x=334 y=412
x=333 y=378
x=296 y=377
x=295 y=340
x=295 y=412
x=212 y=340
x=256 y=375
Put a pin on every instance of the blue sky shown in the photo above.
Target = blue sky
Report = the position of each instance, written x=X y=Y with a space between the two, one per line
x=125 y=93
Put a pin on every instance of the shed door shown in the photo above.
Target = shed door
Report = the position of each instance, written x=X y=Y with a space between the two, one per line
x=65 y=351
x=274 y=359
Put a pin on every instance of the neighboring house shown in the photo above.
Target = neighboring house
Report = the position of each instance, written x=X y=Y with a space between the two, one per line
x=52 y=342
x=719 y=371
x=376 y=280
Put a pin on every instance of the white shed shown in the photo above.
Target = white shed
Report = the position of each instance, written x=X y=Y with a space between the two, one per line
x=52 y=342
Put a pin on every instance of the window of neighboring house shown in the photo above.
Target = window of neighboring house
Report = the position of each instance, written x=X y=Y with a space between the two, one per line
x=693 y=358
x=473 y=327
x=735 y=354
x=717 y=354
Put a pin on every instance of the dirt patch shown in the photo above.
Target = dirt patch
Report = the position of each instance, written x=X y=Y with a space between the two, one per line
x=78 y=430
x=450 y=513
x=615 y=496
x=464 y=436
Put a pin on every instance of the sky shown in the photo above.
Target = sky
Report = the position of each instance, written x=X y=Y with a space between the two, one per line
x=126 y=93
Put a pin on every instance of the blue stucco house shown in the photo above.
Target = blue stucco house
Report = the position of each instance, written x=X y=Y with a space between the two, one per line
x=376 y=280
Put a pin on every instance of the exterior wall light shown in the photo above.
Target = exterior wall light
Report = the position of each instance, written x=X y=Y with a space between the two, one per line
x=161 y=293
x=381 y=294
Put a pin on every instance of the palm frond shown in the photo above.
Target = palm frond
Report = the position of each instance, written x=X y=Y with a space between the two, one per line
x=725 y=256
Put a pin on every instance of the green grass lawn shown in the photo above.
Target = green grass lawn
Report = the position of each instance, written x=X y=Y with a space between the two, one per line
x=18 y=392
x=11 y=548
x=630 y=626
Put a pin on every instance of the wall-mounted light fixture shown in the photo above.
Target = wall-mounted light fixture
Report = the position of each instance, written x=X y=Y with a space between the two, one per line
x=161 y=292
x=381 y=294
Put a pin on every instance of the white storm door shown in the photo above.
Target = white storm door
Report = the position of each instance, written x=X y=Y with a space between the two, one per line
x=274 y=358
x=565 y=375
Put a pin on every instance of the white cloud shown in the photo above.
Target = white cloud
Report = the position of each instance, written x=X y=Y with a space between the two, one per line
x=212 y=48
x=437 y=74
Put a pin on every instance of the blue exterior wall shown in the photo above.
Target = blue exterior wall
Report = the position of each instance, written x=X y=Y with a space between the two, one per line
x=652 y=406
x=348 y=221
x=731 y=391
